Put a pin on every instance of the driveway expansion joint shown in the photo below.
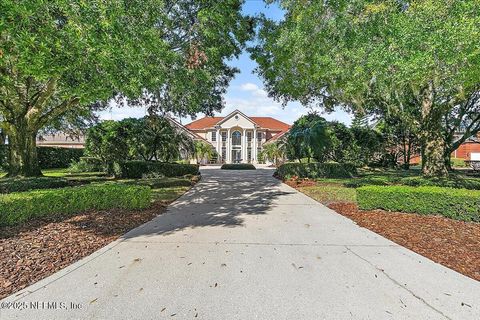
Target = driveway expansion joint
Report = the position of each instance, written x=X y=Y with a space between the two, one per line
x=398 y=284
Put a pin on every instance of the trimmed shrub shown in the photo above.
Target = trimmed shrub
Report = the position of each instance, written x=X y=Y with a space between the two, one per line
x=459 y=204
x=136 y=169
x=4 y=157
x=10 y=185
x=316 y=170
x=367 y=181
x=50 y=157
x=238 y=166
x=452 y=182
x=86 y=164
x=157 y=183
x=19 y=207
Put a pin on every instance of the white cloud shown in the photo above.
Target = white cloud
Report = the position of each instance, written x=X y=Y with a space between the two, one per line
x=249 y=86
x=114 y=112
x=248 y=98
x=254 y=101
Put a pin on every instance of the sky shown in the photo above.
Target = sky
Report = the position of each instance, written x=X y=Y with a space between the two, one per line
x=245 y=92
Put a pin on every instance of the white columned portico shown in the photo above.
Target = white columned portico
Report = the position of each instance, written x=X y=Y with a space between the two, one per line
x=254 y=142
x=228 y=147
x=244 y=146
x=219 y=143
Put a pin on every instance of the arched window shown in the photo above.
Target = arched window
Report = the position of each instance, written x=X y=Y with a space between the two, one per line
x=236 y=138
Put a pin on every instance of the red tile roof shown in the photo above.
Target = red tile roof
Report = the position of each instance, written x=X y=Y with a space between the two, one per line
x=270 y=123
x=203 y=123
x=263 y=122
x=277 y=136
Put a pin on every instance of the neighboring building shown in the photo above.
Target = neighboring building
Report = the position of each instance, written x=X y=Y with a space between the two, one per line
x=469 y=150
x=237 y=137
x=61 y=140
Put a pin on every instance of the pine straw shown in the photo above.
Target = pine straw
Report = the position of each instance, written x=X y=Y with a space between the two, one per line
x=454 y=244
x=39 y=248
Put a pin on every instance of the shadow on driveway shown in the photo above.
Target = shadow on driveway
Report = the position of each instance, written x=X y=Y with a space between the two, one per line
x=222 y=198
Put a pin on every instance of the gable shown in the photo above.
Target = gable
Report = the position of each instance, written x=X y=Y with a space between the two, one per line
x=242 y=121
x=237 y=119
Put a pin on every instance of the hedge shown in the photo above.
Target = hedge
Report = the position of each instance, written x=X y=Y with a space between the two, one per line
x=86 y=164
x=162 y=182
x=51 y=157
x=238 y=166
x=10 y=185
x=316 y=170
x=136 y=169
x=3 y=157
x=48 y=157
x=452 y=182
x=19 y=207
x=459 y=204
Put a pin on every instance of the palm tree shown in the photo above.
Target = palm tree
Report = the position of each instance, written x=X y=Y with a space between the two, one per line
x=274 y=151
x=203 y=150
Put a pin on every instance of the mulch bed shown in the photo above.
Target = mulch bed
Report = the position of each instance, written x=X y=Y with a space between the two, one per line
x=454 y=244
x=39 y=248
x=295 y=182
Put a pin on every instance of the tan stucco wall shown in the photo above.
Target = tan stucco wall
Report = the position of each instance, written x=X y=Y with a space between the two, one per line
x=241 y=122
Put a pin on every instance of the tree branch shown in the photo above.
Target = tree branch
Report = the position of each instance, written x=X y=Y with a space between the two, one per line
x=56 y=112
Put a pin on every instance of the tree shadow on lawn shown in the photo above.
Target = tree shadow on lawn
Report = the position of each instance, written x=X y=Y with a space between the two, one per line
x=222 y=198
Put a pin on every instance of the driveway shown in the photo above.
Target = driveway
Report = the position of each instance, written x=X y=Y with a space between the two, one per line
x=242 y=245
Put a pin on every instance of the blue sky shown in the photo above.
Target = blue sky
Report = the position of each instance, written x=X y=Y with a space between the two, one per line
x=245 y=92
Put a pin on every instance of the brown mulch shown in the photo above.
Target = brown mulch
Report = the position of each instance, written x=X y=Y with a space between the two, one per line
x=454 y=244
x=39 y=248
x=300 y=183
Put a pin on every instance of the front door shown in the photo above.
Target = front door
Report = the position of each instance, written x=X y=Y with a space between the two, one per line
x=236 y=156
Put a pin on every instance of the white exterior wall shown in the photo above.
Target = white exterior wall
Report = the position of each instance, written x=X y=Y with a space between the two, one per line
x=235 y=122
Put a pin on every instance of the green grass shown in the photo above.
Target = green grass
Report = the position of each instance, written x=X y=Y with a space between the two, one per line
x=459 y=204
x=329 y=193
x=23 y=206
x=458 y=163
x=402 y=177
x=168 y=194
x=59 y=181
x=331 y=190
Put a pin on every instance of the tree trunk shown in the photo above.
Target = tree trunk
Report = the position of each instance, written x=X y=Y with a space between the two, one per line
x=433 y=144
x=406 y=154
x=447 y=157
x=23 y=159
x=433 y=161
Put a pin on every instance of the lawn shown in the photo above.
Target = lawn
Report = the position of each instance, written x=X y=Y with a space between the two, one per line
x=327 y=193
x=333 y=190
x=455 y=244
x=39 y=247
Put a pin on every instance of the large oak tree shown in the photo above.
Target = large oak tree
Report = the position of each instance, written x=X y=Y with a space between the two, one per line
x=370 y=54
x=61 y=54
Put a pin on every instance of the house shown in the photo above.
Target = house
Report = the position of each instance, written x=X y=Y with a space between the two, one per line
x=237 y=137
x=61 y=140
x=469 y=150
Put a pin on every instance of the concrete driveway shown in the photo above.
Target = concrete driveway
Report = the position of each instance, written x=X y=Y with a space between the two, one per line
x=242 y=245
